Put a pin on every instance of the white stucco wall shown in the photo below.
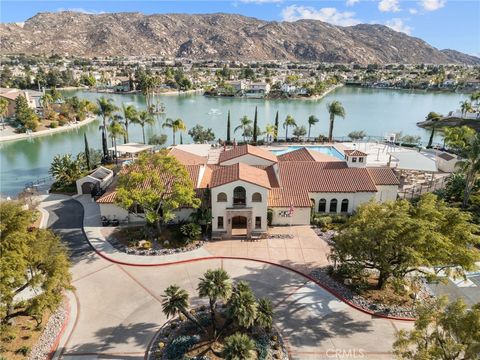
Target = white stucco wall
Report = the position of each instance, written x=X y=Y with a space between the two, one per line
x=258 y=208
x=354 y=199
x=386 y=193
x=301 y=216
x=447 y=166
x=249 y=160
x=113 y=211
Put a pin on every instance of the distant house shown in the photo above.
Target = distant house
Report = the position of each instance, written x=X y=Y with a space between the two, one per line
x=122 y=84
x=257 y=89
x=33 y=98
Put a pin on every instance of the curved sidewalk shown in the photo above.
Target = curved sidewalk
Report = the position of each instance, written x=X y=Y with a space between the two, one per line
x=92 y=228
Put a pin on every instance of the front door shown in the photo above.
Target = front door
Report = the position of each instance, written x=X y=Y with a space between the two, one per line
x=239 y=226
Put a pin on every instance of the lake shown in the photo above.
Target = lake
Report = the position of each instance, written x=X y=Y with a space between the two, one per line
x=378 y=112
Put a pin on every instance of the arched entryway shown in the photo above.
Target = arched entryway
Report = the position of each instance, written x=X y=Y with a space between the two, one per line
x=239 y=226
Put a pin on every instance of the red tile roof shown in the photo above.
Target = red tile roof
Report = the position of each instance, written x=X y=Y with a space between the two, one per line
x=354 y=152
x=305 y=154
x=383 y=176
x=244 y=150
x=226 y=174
x=187 y=158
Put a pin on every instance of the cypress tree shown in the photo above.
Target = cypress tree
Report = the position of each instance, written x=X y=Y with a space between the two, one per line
x=87 y=151
x=228 y=128
x=255 y=128
x=275 y=138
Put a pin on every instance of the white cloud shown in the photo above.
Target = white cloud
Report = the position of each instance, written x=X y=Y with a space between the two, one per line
x=352 y=2
x=81 y=10
x=329 y=15
x=389 y=6
x=432 y=5
x=397 y=24
x=260 y=1
x=413 y=11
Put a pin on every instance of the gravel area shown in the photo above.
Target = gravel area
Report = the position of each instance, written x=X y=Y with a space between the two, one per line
x=322 y=276
x=280 y=236
x=54 y=325
x=151 y=252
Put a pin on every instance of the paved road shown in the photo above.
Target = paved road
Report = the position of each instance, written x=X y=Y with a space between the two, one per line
x=119 y=307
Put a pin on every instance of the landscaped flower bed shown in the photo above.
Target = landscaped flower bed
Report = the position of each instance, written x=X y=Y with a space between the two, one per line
x=234 y=325
x=140 y=240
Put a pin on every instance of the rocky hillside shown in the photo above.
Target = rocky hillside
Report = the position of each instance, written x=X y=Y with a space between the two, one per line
x=216 y=36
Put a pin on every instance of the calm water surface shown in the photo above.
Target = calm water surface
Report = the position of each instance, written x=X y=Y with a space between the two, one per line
x=377 y=112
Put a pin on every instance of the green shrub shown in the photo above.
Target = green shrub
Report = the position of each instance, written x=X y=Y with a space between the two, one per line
x=62 y=121
x=179 y=346
x=53 y=124
x=191 y=231
x=339 y=219
x=323 y=221
x=262 y=343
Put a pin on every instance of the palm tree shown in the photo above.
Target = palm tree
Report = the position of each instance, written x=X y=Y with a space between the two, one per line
x=143 y=118
x=335 y=108
x=46 y=100
x=264 y=313
x=215 y=284
x=245 y=122
x=470 y=165
x=129 y=115
x=175 y=125
x=312 y=120
x=434 y=117
x=243 y=305
x=238 y=347
x=289 y=121
x=106 y=108
x=466 y=107
x=175 y=301
x=116 y=130
x=270 y=131
x=475 y=97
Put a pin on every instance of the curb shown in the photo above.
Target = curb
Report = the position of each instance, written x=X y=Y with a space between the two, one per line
x=54 y=347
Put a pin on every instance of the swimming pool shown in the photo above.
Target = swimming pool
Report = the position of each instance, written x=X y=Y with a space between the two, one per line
x=328 y=150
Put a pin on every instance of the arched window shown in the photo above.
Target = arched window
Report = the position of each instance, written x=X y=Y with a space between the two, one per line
x=239 y=196
x=257 y=197
x=322 y=205
x=333 y=205
x=222 y=197
x=344 y=208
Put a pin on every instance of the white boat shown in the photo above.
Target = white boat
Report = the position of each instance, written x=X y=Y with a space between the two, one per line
x=214 y=112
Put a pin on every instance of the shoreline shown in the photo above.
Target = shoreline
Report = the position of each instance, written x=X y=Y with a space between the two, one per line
x=23 y=136
x=432 y=91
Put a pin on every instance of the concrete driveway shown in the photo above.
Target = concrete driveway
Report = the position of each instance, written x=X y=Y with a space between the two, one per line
x=119 y=307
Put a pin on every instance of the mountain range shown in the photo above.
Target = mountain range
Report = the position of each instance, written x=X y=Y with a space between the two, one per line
x=217 y=36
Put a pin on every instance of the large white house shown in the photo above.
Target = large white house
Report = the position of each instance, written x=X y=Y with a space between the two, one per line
x=248 y=181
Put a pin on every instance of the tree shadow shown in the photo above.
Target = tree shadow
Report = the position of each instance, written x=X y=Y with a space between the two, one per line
x=138 y=335
x=304 y=312
x=66 y=220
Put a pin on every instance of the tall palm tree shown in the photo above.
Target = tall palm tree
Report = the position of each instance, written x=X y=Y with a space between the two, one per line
x=335 y=108
x=176 y=126
x=105 y=108
x=289 y=121
x=143 y=118
x=175 y=301
x=129 y=115
x=238 y=347
x=245 y=122
x=312 y=120
x=215 y=284
x=434 y=117
x=465 y=107
x=270 y=131
x=115 y=129
x=46 y=101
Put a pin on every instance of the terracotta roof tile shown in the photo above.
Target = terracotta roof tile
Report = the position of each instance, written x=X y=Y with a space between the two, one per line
x=226 y=174
x=187 y=158
x=354 y=152
x=305 y=154
x=383 y=176
x=246 y=149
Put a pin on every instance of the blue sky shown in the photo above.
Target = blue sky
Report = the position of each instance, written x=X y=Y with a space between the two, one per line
x=453 y=24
